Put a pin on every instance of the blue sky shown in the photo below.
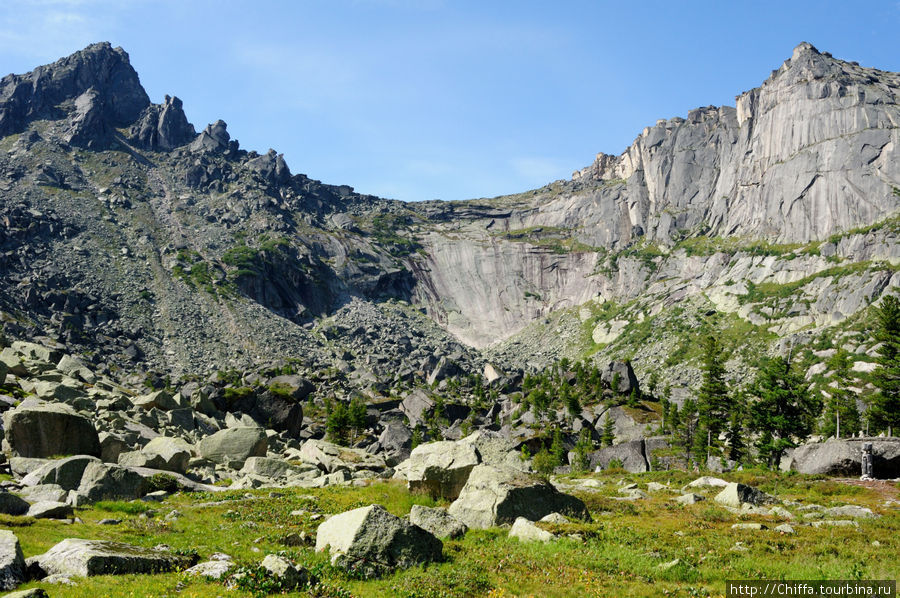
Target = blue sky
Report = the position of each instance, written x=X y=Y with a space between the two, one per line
x=439 y=98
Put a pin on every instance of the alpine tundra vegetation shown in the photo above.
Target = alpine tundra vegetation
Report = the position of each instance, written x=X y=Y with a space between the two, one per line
x=220 y=377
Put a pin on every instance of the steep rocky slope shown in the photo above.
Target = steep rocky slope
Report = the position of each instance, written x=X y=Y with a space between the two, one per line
x=149 y=245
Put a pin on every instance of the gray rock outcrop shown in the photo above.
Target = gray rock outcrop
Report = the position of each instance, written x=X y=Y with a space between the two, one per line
x=843 y=457
x=49 y=429
x=12 y=561
x=234 y=445
x=737 y=495
x=494 y=496
x=437 y=521
x=441 y=468
x=85 y=558
x=371 y=536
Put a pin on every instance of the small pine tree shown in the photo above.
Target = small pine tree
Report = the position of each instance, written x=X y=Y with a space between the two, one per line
x=608 y=434
x=356 y=415
x=543 y=463
x=337 y=423
x=616 y=379
x=583 y=449
x=557 y=448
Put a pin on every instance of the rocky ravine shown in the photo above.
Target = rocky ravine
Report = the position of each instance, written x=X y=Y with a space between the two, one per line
x=128 y=234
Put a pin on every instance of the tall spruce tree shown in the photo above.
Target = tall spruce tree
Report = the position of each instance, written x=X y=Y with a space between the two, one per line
x=785 y=411
x=884 y=412
x=713 y=401
x=841 y=414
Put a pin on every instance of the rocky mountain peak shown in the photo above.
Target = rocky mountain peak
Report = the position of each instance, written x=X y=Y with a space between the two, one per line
x=41 y=92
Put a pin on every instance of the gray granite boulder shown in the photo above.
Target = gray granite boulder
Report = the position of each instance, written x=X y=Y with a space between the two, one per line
x=49 y=429
x=494 y=496
x=372 y=537
x=75 y=557
x=12 y=562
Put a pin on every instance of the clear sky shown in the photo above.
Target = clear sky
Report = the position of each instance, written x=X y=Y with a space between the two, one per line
x=424 y=99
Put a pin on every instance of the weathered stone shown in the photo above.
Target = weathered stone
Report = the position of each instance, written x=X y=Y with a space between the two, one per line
x=555 y=518
x=852 y=511
x=417 y=407
x=49 y=429
x=437 y=521
x=65 y=473
x=12 y=562
x=527 y=531
x=736 y=495
x=331 y=457
x=630 y=454
x=372 y=536
x=784 y=528
x=284 y=571
x=844 y=457
x=495 y=496
x=218 y=566
x=32 y=593
x=170 y=454
x=51 y=492
x=749 y=526
x=10 y=504
x=160 y=399
x=46 y=509
x=272 y=468
x=707 y=482
x=441 y=468
x=104 y=481
x=234 y=445
x=85 y=558
x=111 y=446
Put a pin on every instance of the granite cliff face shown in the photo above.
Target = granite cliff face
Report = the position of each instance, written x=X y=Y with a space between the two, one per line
x=127 y=232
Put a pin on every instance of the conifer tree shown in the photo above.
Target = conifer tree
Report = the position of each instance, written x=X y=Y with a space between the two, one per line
x=785 y=412
x=841 y=414
x=687 y=429
x=884 y=412
x=608 y=435
x=713 y=400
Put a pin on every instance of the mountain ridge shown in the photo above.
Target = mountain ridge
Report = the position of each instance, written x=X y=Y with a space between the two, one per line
x=208 y=241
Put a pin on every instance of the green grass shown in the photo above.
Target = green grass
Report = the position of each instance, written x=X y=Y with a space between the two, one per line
x=619 y=553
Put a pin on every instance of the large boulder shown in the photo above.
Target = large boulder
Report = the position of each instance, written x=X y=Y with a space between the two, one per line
x=736 y=495
x=12 y=561
x=284 y=571
x=163 y=452
x=278 y=408
x=65 y=473
x=372 y=536
x=49 y=429
x=10 y=504
x=437 y=521
x=330 y=457
x=631 y=456
x=233 y=446
x=104 y=481
x=417 y=407
x=441 y=468
x=844 y=457
x=75 y=557
x=622 y=374
x=160 y=399
x=493 y=496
